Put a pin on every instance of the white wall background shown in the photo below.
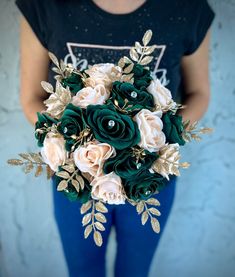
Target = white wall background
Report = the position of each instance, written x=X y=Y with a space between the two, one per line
x=199 y=238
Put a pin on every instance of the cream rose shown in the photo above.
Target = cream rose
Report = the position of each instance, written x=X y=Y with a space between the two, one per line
x=91 y=96
x=150 y=127
x=162 y=96
x=103 y=74
x=90 y=158
x=108 y=188
x=53 y=151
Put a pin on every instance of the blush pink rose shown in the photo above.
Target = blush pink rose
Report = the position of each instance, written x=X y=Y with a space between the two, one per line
x=108 y=188
x=53 y=151
x=150 y=127
x=90 y=158
x=91 y=96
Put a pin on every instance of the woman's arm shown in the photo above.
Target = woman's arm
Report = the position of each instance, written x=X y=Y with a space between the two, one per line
x=195 y=74
x=34 y=64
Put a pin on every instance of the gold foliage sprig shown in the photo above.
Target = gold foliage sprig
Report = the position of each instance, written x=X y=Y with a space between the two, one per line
x=30 y=161
x=93 y=219
x=148 y=212
x=70 y=174
x=138 y=54
x=191 y=131
x=141 y=54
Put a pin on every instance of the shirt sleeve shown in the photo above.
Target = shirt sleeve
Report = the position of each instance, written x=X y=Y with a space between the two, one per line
x=33 y=12
x=202 y=18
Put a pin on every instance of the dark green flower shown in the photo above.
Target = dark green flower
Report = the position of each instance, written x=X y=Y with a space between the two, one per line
x=70 y=124
x=142 y=77
x=74 y=82
x=138 y=99
x=173 y=128
x=71 y=193
x=124 y=163
x=44 y=121
x=112 y=127
x=144 y=185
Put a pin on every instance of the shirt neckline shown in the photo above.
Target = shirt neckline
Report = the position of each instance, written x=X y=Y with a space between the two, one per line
x=95 y=8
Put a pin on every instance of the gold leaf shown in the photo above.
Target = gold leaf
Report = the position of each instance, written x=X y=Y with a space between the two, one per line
x=54 y=59
x=153 y=201
x=36 y=157
x=86 y=219
x=81 y=181
x=100 y=207
x=155 y=211
x=56 y=70
x=28 y=168
x=85 y=207
x=144 y=217
x=50 y=172
x=100 y=217
x=63 y=174
x=87 y=231
x=140 y=207
x=121 y=63
x=99 y=226
x=185 y=165
x=206 y=130
x=132 y=202
x=146 y=60
x=134 y=55
x=69 y=168
x=129 y=68
x=175 y=170
x=62 y=185
x=150 y=50
x=15 y=162
x=126 y=59
x=138 y=47
x=38 y=171
x=155 y=225
x=25 y=156
x=98 y=238
x=147 y=37
x=76 y=185
x=47 y=87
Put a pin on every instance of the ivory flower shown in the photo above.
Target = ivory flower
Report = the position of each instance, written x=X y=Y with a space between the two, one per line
x=162 y=96
x=91 y=157
x=104 y=74
x=150 y=127
x=91 y=96
x=53 y=150
x=108 y=188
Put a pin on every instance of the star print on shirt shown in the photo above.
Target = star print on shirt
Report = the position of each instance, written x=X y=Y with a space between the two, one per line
x=82 y=55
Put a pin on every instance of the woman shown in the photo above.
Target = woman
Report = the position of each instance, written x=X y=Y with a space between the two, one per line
x=85 y=32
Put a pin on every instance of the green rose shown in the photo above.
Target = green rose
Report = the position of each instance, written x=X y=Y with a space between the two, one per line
x=71 y=193
x=70 y=124
x=112 y=127
x=124 y=163
x=138 y=99
x=74 y=82
x=142 y=77
x=173 y=128
x=44 y=121
x=144 y=185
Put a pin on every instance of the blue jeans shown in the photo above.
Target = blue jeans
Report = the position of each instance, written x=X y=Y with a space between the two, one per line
x=136 y=244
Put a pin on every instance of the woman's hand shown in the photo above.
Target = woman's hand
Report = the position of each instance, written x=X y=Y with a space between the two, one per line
x=195 y=74
x=34 y=64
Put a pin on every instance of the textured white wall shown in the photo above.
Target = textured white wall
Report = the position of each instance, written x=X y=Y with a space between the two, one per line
x=199 y=238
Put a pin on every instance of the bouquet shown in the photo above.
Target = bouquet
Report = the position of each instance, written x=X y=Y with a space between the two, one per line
x=110 y=134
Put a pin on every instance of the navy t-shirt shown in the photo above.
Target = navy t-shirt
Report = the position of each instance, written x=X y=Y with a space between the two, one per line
x=80 y=32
